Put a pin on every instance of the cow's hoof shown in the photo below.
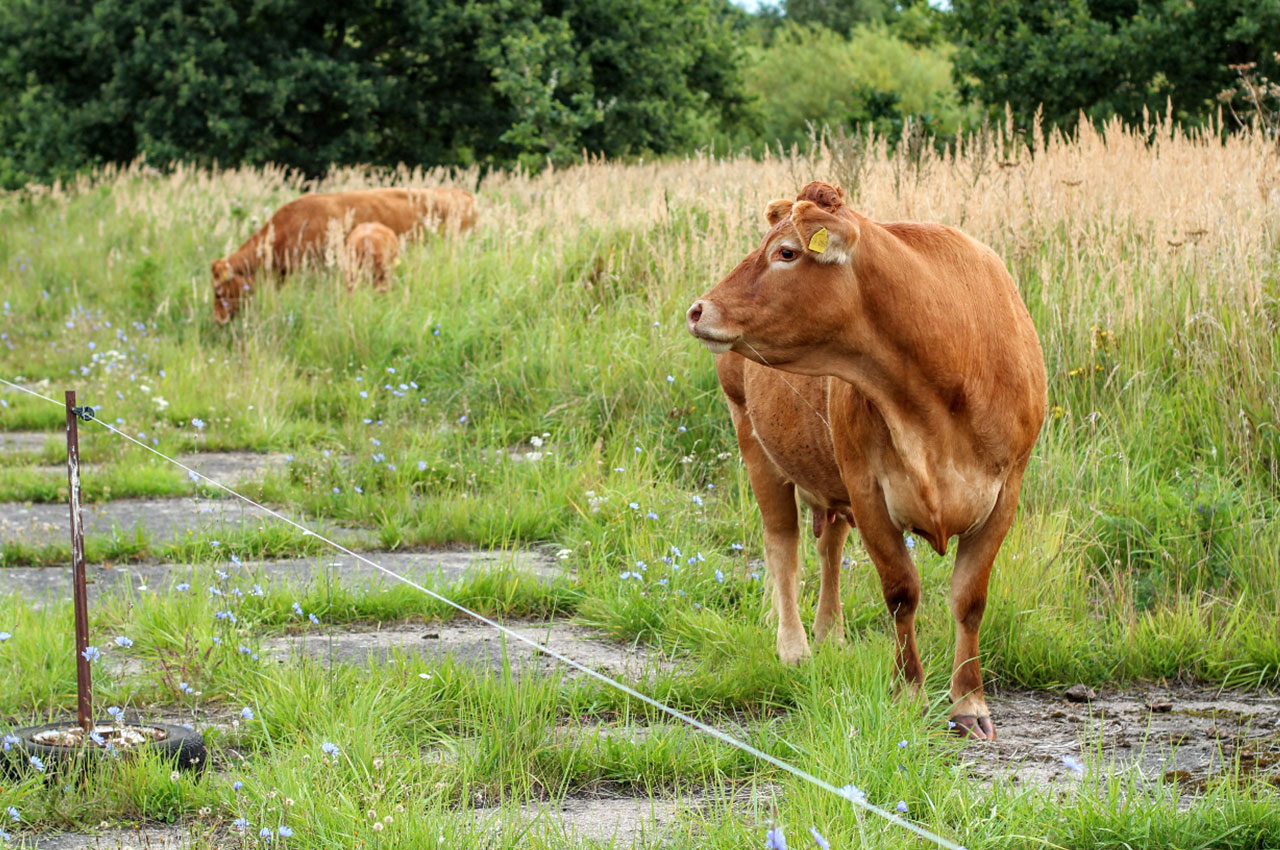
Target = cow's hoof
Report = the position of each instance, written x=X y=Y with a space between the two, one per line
x=978 y=728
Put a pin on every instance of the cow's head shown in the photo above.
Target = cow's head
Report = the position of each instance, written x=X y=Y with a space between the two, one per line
x=789 y=299
x=230 y=287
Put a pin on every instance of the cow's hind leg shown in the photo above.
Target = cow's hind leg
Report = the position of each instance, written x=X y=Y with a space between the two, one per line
x=899 y=582
x=829 y=622
x=776 y=497
x=974 y=557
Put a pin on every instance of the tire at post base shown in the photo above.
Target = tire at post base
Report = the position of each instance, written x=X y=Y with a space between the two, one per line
x=184 y=746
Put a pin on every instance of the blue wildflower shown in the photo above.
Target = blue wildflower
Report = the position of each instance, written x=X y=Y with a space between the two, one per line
x=4 y=636
x=775 y=840
x=818 y=839
x=329 y=749
x=285 y=832
x=902 y=806
x=37 y=763
x=197 y=423
x=246 y=713
x=240 y=824
x=14 y=816
x=123 y=642
x=91 y=654
x=1073 y=763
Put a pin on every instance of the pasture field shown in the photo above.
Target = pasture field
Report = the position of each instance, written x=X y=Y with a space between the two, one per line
x=530 y=388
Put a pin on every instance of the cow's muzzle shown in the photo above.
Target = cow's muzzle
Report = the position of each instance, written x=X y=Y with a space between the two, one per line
x=703 y=321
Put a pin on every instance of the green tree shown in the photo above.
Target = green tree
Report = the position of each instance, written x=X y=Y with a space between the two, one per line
x=837 y=15
x=374 y=81
x=813 y=76
x=1109 y=57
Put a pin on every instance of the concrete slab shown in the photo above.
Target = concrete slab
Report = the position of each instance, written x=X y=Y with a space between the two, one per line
x=614 y=821
x=230 y=468
x=27 y=441
x=44 y=585
x=149 y=838
x=472 y=643
x=162 y=519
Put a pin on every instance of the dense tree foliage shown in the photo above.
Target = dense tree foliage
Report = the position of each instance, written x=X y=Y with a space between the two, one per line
x=809 y=78
x=376 y=81
x=500 y=82
x=1111 y=57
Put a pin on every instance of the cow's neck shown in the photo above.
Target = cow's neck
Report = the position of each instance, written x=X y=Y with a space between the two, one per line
x=249 y=256
x=904 y=346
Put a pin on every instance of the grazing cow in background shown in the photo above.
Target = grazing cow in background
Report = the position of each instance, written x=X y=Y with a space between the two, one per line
x=372 y=249
x=891 y=376
x=300 y=231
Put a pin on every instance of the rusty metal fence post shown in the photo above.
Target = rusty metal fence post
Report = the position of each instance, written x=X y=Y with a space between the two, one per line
x=79 y=593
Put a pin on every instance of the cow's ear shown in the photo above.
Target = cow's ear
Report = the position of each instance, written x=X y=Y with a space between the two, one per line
x=221 y=270
x=829 y=238
x=777 y=211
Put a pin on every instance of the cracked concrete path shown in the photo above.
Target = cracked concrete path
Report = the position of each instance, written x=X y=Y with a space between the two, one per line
x=43 y=585
x=472 y=643
x=163 y=520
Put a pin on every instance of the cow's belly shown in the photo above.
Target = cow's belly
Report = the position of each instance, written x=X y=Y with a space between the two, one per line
x=788 y=416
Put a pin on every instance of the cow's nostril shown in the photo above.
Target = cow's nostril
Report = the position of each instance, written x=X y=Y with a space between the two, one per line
x=695 y=312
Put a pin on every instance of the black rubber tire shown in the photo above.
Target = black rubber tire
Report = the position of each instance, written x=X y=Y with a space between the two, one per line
x=184 y=746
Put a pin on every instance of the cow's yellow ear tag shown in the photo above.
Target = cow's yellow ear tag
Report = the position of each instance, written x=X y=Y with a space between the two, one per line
x=818 y=241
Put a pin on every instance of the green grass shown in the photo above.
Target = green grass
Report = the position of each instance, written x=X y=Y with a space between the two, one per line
x=536 y=410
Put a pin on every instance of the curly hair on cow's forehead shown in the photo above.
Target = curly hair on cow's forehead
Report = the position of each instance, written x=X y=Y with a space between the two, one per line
x=825 y=195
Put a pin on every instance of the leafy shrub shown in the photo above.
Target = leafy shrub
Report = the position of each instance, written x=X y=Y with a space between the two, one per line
x=815 y=76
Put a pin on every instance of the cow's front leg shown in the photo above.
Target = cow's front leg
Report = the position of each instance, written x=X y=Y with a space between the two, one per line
x=969 y=580
x=776 y=497
x=899 y=582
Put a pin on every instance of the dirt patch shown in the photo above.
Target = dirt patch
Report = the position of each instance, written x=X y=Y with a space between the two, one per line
x=1185 y=734
x=473 y=643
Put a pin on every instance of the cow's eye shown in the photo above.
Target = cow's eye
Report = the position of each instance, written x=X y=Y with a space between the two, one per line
x=786 y=254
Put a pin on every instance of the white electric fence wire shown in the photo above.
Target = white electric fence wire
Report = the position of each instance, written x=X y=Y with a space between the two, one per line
x=850 y=793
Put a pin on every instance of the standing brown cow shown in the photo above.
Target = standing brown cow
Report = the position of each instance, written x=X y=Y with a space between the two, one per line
x=890 y=374
x=299 y=231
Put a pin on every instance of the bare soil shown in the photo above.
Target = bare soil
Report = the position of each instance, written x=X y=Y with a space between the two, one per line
x=1191 y=735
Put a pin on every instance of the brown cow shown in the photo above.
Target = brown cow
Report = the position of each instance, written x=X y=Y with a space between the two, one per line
x=891 y=376
x=299 y=232
x=372 y=249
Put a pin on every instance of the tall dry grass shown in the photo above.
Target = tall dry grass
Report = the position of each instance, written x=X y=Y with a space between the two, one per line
x=1148 y=258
